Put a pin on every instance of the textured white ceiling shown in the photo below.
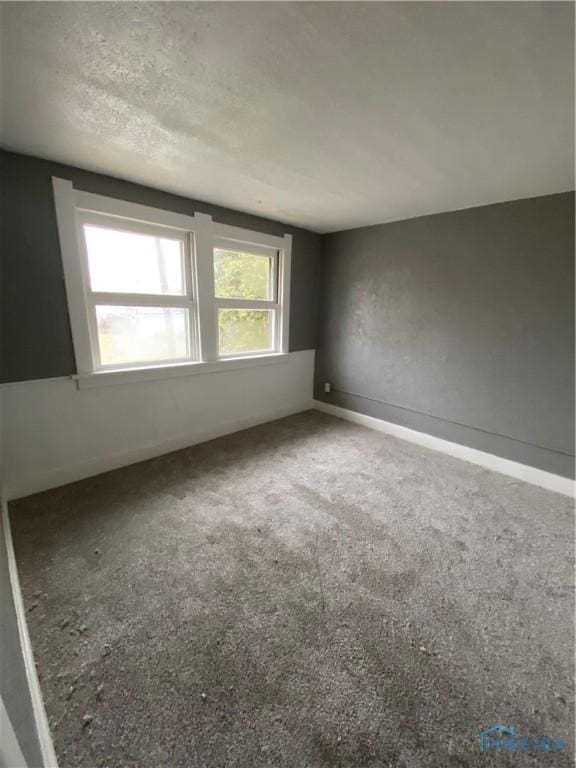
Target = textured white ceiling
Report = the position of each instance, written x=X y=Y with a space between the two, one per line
x=325 y=115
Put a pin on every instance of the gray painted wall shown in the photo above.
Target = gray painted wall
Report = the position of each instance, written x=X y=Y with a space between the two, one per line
x=13 y=681
x=36 y=336
x=460 y=325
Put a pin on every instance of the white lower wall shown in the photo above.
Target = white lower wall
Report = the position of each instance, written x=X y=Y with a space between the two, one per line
x=54 y=433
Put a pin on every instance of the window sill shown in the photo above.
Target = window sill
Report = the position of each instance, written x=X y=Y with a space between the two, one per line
x=161 y=372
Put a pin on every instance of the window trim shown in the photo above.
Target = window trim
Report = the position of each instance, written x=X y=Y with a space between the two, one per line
x=203 y=235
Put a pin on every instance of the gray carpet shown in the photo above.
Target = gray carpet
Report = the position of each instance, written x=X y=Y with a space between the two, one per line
x=305 y=593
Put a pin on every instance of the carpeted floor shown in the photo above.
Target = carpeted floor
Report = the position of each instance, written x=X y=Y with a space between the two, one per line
x=305 y=593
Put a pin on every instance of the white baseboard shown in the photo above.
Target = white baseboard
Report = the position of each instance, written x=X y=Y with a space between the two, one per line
x=514 y=469
x=40 y=718
x=73 y=472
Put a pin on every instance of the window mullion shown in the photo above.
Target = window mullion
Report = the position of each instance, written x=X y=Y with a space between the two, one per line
x=204 y=265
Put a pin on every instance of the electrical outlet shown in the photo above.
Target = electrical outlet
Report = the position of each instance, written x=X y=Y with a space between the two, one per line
x=327 y=387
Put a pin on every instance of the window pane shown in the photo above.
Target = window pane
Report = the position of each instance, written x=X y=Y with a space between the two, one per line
x=242 y=275
x=141 y=334
x=127 y=262
x=244 y=330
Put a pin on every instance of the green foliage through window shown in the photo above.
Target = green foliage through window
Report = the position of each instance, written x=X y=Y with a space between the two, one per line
x=244 y=330
x=239 y=275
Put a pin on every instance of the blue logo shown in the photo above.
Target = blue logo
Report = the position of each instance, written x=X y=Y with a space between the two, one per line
x=505 y=737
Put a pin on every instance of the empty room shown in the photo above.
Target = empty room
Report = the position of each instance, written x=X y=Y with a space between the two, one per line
x=287 y=384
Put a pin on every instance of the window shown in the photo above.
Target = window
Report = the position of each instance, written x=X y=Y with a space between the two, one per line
x=246 y=287
x=151 y=289
x=139 y=295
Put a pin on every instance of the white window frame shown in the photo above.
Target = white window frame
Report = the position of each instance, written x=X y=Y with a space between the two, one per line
x=227 y=241
x=93 y=299
x=200 y=234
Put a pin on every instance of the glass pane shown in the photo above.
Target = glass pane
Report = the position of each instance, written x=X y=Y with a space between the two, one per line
x=127 y=262
x=244 y=330
x=242 y=275
x=141 y=334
